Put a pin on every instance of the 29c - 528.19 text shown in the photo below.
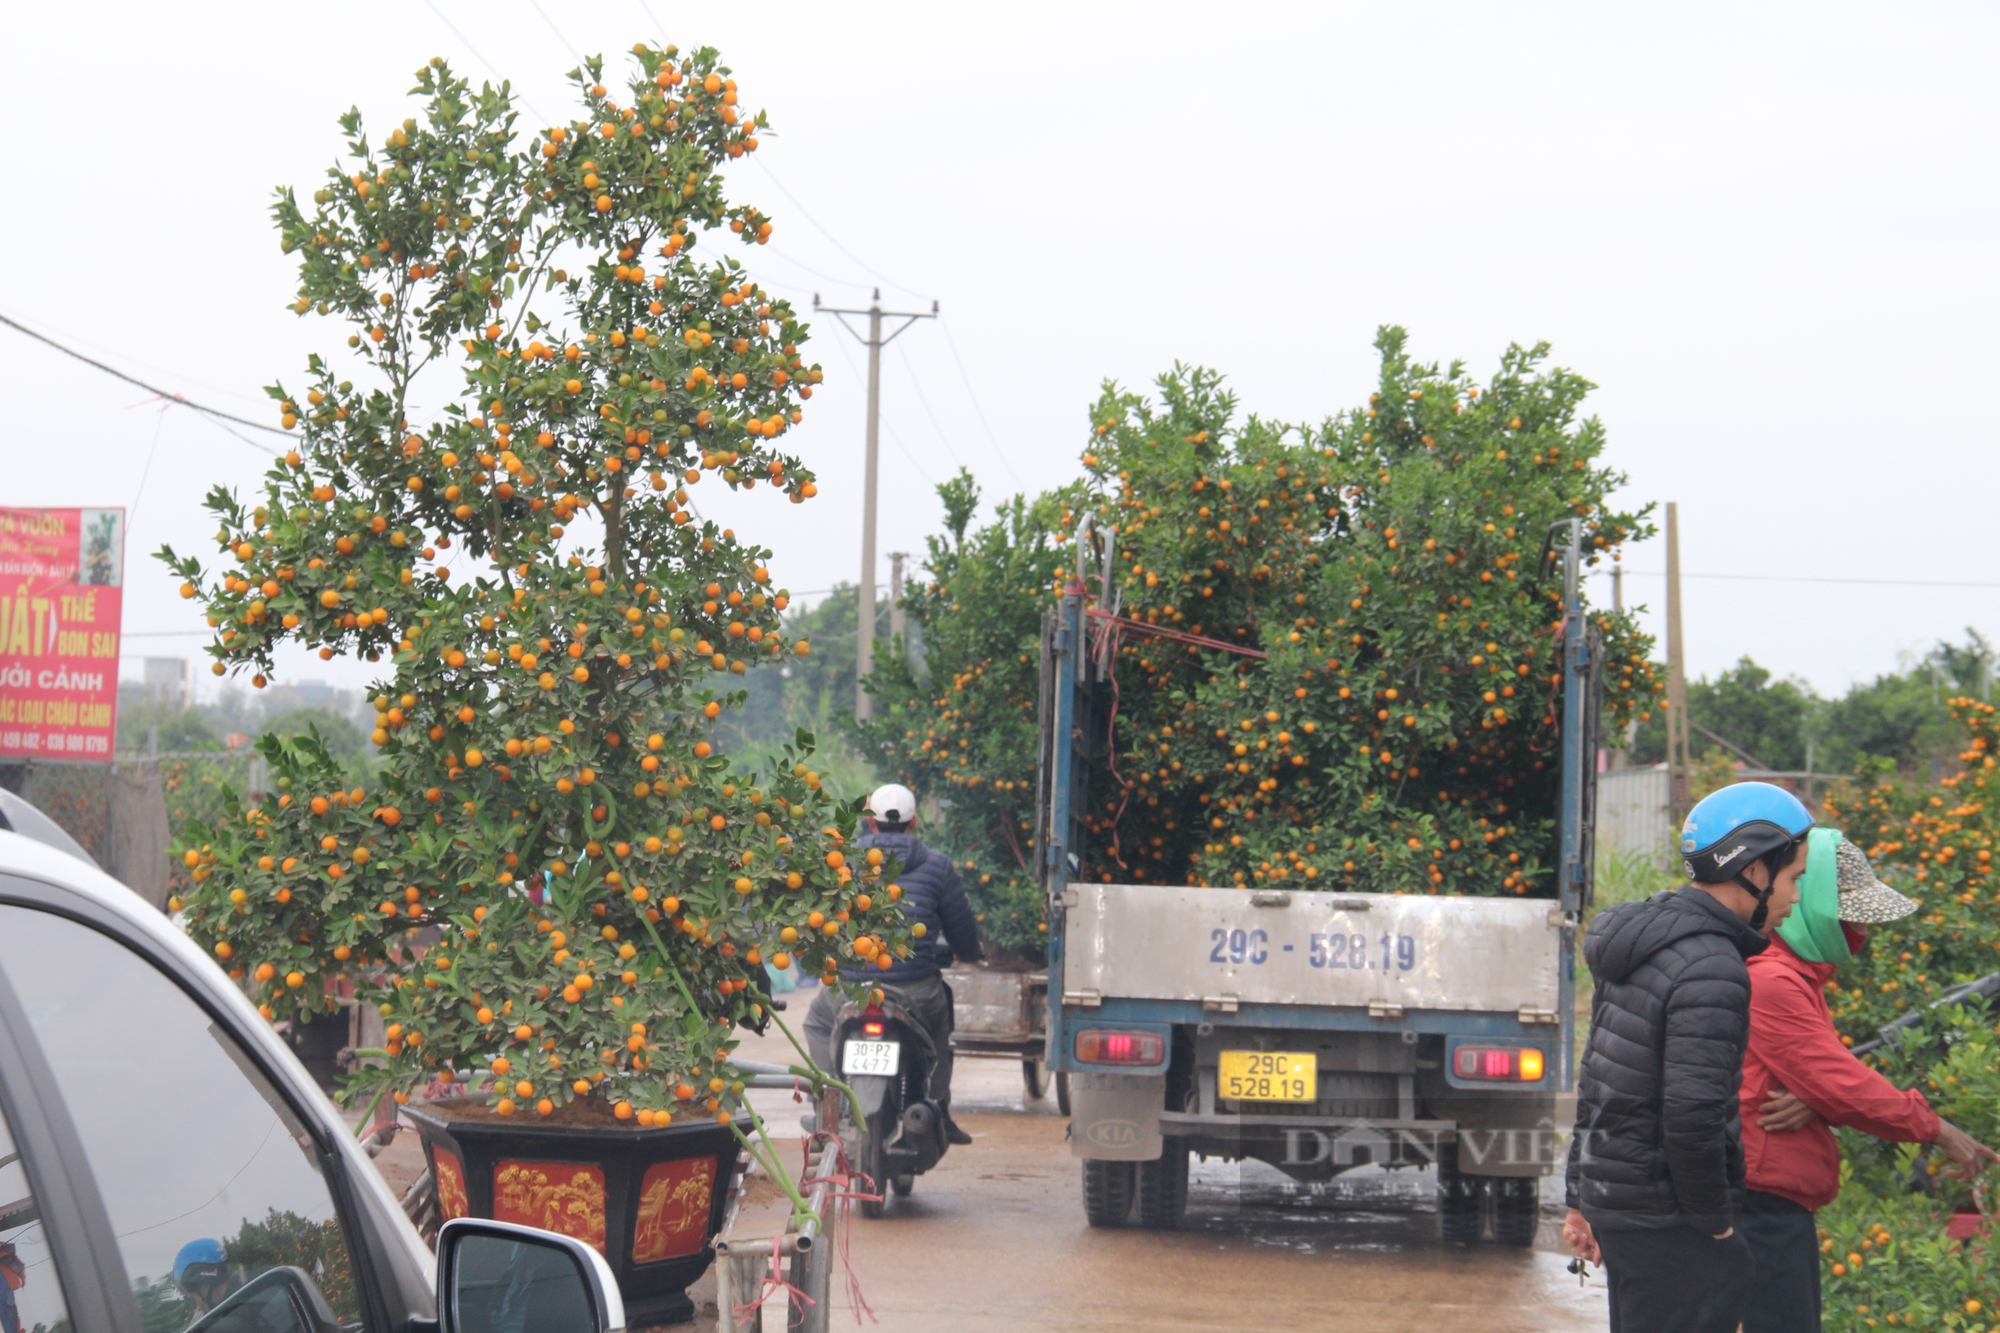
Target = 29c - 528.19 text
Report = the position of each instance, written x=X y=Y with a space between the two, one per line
x=1388 y=953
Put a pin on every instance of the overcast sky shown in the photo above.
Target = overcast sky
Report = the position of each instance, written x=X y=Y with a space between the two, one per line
x=1768 y=232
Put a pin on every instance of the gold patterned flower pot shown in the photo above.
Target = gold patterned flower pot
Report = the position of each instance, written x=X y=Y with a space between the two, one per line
x=650 y=1200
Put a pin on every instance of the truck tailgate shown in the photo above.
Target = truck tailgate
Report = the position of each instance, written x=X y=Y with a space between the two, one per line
x=1232 y=946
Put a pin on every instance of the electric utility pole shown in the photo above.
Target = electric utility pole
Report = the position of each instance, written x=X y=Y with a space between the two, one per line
x=1677 y=719
x=896 y=559
x=874 y=341
x=1620 y=758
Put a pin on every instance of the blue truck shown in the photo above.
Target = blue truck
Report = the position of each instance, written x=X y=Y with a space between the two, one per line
x=1314 y=1031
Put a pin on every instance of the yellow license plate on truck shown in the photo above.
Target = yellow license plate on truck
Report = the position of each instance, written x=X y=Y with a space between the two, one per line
x=1268 y=1076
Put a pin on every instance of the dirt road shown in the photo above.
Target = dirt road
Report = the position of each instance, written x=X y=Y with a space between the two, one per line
x=995 y=1239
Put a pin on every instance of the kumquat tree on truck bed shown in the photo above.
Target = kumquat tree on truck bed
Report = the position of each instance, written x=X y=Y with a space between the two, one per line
x=1337 y=663
x=603 y=887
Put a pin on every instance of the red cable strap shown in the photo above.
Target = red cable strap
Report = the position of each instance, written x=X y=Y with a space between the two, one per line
x=1178 y=636
x=1108 y=651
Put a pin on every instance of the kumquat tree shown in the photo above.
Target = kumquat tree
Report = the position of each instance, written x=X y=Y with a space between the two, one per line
x=1336 y=652
x=603 y=887
x=1888 y=1259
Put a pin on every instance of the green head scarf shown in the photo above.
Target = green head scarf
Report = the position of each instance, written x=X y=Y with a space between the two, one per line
x=1813 y=928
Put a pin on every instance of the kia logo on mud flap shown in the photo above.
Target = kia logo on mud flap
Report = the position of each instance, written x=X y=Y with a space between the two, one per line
x=1112 y=1133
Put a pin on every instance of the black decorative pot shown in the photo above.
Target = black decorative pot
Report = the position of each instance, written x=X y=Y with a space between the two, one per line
x=650 y=1200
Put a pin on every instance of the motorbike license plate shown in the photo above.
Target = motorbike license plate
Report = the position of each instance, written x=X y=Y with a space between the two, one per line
x=870 y=1057
x=1268 y=1076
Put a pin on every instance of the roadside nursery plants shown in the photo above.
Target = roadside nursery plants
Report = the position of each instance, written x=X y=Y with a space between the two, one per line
x=1337 y=662
x=556 y=887
x=1887 y=1260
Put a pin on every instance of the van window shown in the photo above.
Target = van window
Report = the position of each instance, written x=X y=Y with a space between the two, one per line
x=208 y=1175
x=31 y=1299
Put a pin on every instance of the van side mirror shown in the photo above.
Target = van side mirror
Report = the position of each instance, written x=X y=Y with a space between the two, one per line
x=495 y=1277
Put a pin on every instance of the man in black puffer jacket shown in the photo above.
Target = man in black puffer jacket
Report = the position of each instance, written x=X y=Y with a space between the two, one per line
x=1655 y=1173
x=935 y=907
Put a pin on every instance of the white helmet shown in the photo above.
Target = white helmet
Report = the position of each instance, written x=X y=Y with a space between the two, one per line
x=894 y=802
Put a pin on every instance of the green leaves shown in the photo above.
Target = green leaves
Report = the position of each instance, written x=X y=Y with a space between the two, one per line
x=547 y=761
x=1935 y=844
x=1376 y=572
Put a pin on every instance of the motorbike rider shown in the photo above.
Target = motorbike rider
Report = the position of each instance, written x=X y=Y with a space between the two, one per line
x=204 y=1274
x=934 y=898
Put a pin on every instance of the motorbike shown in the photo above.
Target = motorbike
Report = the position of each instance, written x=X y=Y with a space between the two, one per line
x=884 y=1054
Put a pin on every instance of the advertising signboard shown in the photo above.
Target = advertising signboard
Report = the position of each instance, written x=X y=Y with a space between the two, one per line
x=62 y=574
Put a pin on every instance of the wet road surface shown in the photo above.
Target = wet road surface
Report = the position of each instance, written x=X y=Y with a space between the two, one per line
x=995 y=1238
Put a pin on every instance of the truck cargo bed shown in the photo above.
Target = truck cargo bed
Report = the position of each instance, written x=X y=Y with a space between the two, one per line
x=1386 y=953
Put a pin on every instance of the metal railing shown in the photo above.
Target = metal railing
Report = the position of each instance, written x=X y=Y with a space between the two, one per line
x=804 y=1256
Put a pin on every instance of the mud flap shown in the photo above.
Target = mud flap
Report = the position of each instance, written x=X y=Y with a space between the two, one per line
x=1506 y=1137
x=1116 y=1117
x=871 y=1092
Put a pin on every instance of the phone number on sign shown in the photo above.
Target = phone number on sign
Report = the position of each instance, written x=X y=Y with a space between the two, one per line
x=1390 y=953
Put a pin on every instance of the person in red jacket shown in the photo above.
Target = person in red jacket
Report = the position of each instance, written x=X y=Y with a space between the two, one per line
x=1799 y=1081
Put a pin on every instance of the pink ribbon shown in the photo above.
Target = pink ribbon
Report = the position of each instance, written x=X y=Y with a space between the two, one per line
x=843 y=1200
x=772 y=1280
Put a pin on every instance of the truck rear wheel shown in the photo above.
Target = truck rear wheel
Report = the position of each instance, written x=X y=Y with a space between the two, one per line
x=1162 y=1187
x=1035 y=1079
x=1107 y=1192
x=1517 y=1210
x=1460 y=1211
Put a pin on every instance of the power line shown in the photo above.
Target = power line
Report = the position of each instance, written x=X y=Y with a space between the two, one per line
x=815 y=224
x=659 y=31
x=943 y=439
x=491 y=68
x=558 y=32
x=1809 y=578
x=228 y=429
x=147 y=471
x=904 y=450
x=979 y=411
x=70 y=338
x=893 y=437
x=831 y=238
x=158 y=392
x=825 y=277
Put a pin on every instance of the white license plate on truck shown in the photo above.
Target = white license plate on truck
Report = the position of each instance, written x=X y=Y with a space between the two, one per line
x=870 y=1057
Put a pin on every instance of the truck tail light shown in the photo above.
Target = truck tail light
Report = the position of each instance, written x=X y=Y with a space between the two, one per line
x=1498 y=1064
x=1100 y=1046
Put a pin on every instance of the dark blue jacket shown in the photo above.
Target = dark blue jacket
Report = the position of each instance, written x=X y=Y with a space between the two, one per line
x=931 y=895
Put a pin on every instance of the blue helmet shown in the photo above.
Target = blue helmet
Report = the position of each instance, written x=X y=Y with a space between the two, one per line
x=200 y=1261
x=1730 y=830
